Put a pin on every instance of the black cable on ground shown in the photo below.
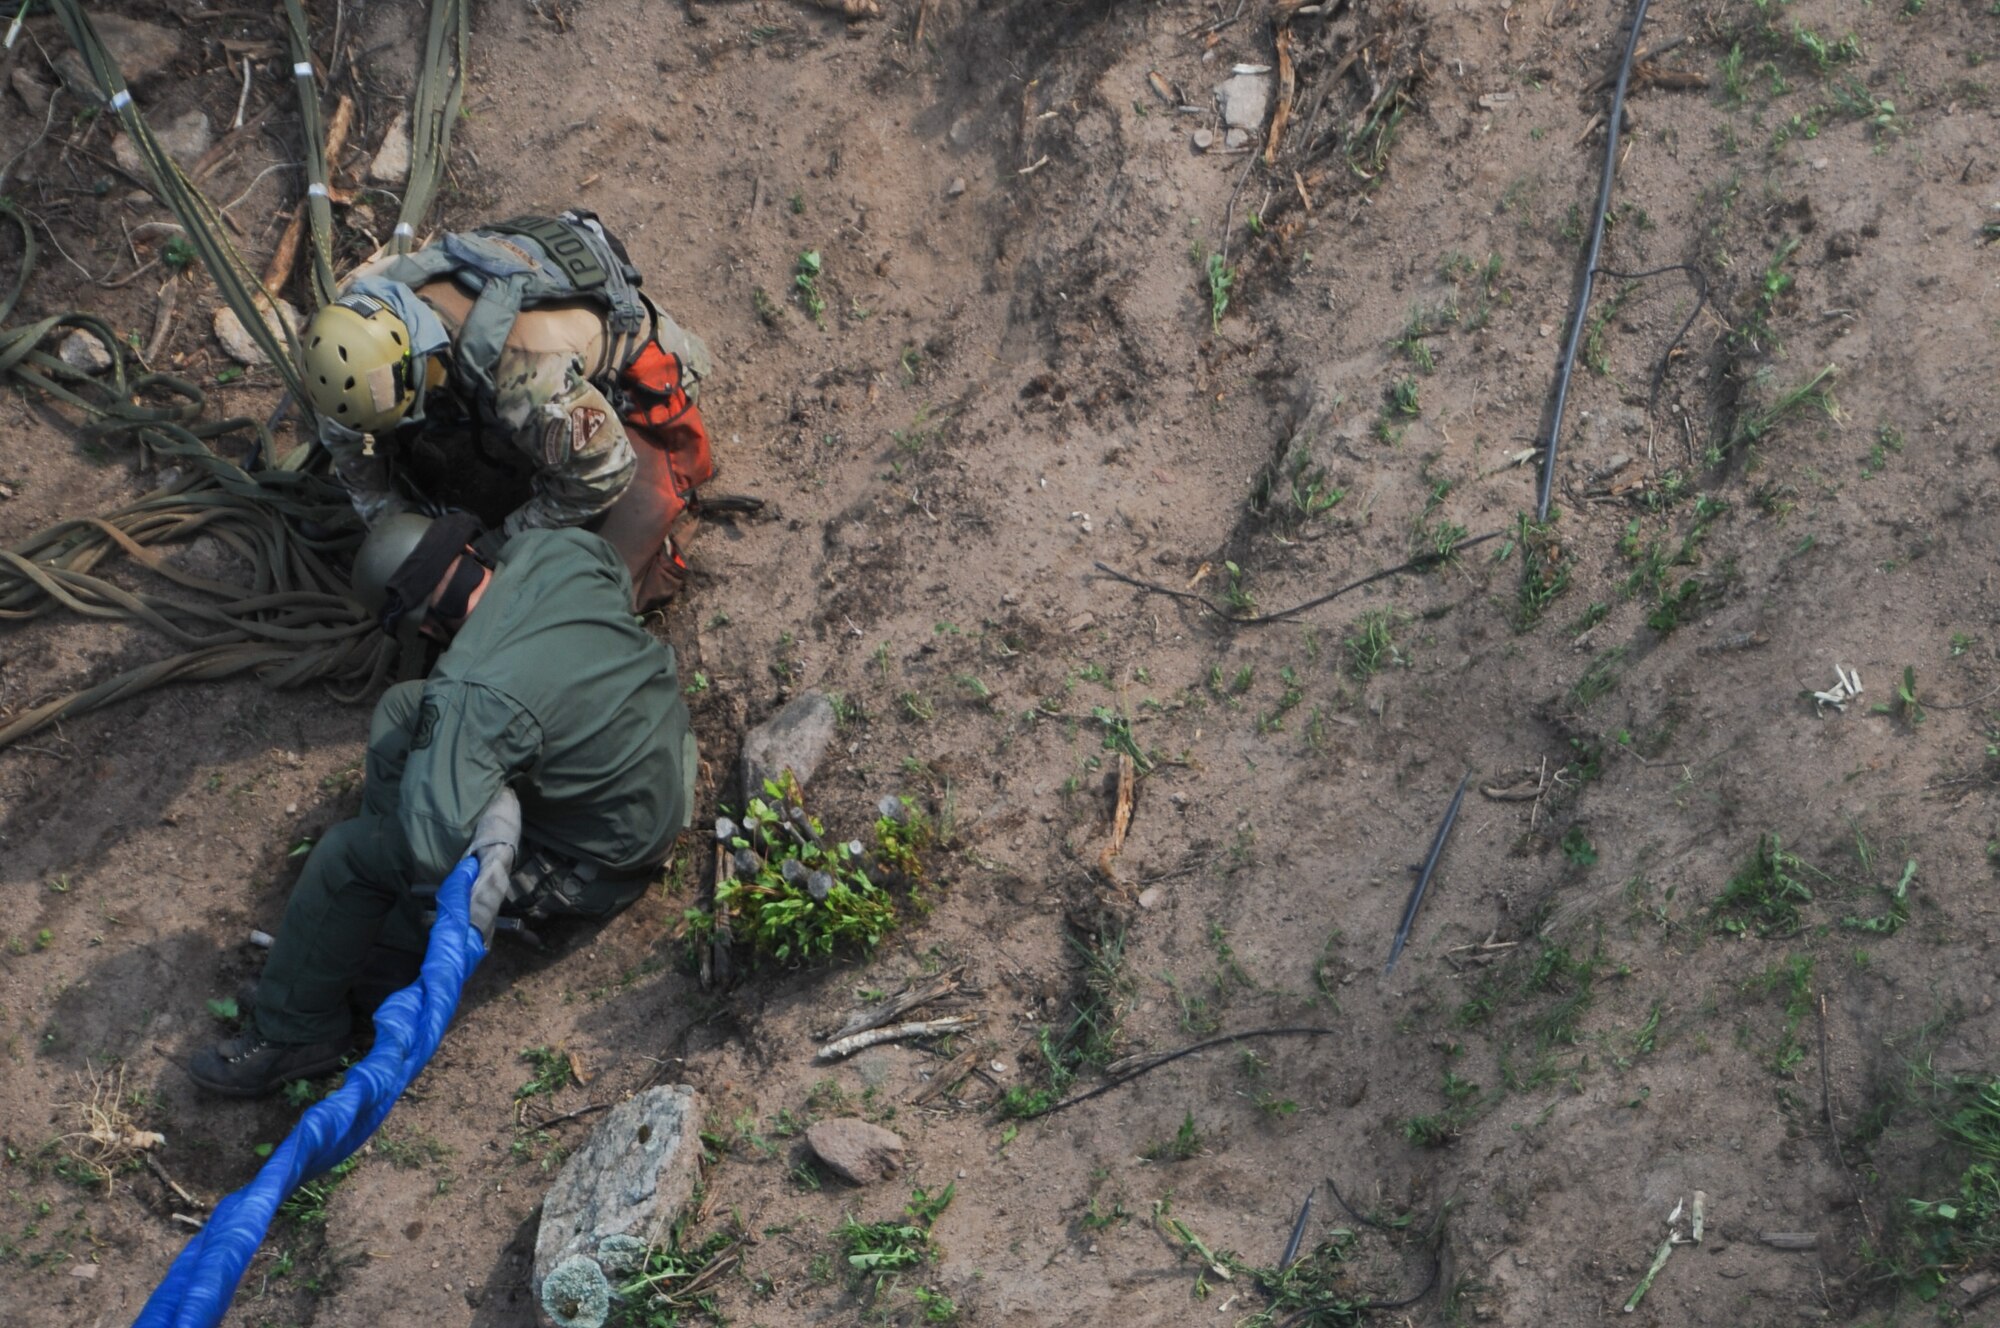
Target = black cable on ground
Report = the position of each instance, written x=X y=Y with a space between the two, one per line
x=1567 y=365
x=1149 y=1066
x=1422 y=560
x=1700 y=300
x=1423 y=882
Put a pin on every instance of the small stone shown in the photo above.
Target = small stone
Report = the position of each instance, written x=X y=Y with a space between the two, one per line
x=1151 y=896
x=86 y=1271
x=854 y=1150
x=1545 y=330
x=1236 y=138
x=631 y=1179
x=82 y=350
x=793 y=739
x=956 y=187
x=236 y=340
x=1245 y=100
x=183 y=139
x=392 y=159
x=1204 y=139
x=34 y=93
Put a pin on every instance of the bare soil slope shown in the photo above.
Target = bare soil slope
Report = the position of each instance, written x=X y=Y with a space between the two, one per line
x=1024 y=366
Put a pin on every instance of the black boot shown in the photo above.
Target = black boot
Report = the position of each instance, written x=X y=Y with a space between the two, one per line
x=250 y=1066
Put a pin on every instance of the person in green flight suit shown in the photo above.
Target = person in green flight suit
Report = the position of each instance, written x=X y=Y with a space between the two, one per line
x=550 y=688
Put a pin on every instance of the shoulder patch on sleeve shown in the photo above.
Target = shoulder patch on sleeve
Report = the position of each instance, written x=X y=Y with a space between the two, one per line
x=428 y=715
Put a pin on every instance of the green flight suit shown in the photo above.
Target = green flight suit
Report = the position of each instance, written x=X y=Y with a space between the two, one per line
x=551 y=687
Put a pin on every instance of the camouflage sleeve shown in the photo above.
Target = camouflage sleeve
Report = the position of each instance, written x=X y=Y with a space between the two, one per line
x=562 y=423
x=362 y=471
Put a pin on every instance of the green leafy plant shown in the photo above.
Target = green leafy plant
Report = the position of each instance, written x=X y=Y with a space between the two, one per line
x=552 y=1072
x=1221 y=280
x=793 y=895
x=806 y=273
x=1766 y=894
x=1184 y=1145
x=880 y=1248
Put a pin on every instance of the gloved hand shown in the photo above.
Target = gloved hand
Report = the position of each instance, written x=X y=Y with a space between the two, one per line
x=496 y=842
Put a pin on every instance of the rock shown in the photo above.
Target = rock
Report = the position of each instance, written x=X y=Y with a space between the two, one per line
x=1151 y=897
x=142 y=51
x=235 y=338
x=82 y=350
x=34 y=93
x=856 y=1151
x=1204 y=139
x=1236 y=138
x=956 y=187
x=793 y=739
x=1245 y=99
x=184 y=139
x=619 y=1193
x=392 y=159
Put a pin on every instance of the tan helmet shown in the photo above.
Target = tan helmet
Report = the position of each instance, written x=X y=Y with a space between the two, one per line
x=392 y=540
x=356 y=364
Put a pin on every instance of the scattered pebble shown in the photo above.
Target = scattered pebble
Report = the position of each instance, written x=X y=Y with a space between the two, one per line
x=82 y=350
x=956 y=187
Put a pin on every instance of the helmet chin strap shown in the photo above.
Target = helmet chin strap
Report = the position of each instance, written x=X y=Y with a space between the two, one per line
x=454 y=601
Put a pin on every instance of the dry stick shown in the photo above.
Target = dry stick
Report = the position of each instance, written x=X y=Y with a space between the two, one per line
x=881 y=1013
x=1833 y=1138
x=1287 y=86
x=566 y=1116
x=846 y=1047
x=1259 y=620
x=949 y=1077
x=923 y=14
x=280 y=269
x=1121 y=817
x=1155 y=1063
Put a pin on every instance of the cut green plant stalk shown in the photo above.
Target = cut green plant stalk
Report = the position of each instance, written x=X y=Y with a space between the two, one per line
x=1646 y=1282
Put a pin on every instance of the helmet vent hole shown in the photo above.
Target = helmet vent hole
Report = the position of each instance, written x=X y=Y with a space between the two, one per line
x=397 y=337
x=350 y=385
x=341 y=409
x=343 y=352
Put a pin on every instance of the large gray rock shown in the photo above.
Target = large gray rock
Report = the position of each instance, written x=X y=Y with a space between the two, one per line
x=856 y=1151
x=392 y=159
x=184 y=138
x=1245 y=99
x=82 y=350
x=142 y=51
x=793 y=739
x=615 y=1198
x=236 y=339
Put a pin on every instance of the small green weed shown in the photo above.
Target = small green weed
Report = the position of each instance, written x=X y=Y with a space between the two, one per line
x=1766 y=894
x=806 y=273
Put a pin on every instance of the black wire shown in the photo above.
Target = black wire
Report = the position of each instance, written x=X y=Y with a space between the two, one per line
x=1259 y=620
x=1437 y=1266
x=1171 y=1056
x=1700 y=299
x=1567 y=366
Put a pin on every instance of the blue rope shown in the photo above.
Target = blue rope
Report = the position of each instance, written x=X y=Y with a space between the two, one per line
x=198 y=1287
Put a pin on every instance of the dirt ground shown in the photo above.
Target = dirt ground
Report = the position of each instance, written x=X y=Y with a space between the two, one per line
x=1021 y=370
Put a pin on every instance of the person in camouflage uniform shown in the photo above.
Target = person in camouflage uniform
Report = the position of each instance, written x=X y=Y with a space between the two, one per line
x=522 y=349
x=551 y=692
